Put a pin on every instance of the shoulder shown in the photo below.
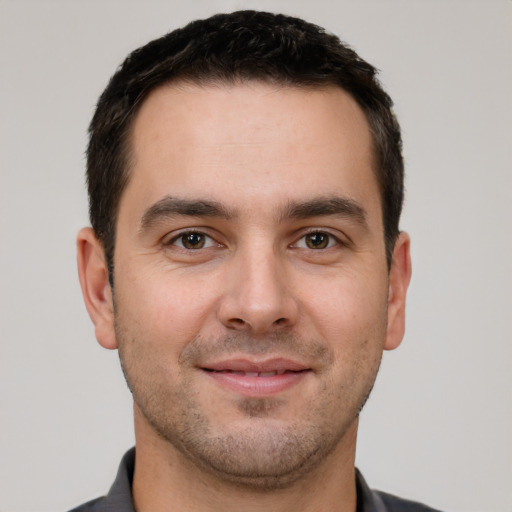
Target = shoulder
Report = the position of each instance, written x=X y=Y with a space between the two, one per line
x=396 y=504
x=90 y=506
x=119 y=498
x=369 y=500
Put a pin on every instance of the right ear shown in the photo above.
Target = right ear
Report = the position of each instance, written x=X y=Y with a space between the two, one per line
x=93 y=274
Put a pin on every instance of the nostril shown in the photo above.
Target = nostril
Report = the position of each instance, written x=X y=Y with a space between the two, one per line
x=280 y=321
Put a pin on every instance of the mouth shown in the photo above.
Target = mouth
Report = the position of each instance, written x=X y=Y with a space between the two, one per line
x=255 y=379
x=253 y=374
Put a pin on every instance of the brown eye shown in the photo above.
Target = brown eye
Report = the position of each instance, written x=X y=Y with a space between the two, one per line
x=317 y=240
x=193 y=240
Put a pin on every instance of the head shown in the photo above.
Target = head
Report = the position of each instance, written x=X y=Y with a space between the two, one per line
x=234 y=48
x=247 y=171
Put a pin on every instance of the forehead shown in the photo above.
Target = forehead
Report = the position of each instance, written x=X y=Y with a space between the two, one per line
x=260 y=139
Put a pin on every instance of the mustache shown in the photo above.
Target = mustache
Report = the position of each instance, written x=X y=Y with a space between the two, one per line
x=281 y=344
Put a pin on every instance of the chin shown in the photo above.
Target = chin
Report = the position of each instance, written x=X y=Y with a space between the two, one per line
x=261 y=453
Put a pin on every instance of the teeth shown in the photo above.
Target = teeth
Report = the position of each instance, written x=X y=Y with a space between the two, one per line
x=255 y=374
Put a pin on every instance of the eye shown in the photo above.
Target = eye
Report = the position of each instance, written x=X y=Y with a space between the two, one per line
x=317 y=240
x=192 y=240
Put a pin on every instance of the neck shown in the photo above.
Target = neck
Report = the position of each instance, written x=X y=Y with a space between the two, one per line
x=165 y=479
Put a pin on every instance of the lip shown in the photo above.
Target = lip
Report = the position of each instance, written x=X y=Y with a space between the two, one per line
x=256 y=378
x=277 y=364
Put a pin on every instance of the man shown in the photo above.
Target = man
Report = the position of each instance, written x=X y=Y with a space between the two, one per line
x=245 y=182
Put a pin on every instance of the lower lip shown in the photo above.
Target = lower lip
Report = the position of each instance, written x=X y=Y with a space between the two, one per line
x=257 y=386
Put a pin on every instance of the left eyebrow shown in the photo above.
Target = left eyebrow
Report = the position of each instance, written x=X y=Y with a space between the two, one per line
x=326 y=206
x=171 y=207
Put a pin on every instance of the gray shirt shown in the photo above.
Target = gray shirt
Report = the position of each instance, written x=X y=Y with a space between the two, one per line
x=119 y=498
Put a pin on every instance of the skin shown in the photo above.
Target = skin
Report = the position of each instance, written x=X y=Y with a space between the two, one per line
x=289 y=265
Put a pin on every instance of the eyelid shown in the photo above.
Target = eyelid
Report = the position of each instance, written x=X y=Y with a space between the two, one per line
x=171 y=241
x=339 y=240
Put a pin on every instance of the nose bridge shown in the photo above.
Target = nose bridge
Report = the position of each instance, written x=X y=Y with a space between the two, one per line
x=259 y=296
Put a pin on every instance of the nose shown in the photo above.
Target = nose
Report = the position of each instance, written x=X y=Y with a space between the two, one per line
x=258 y=297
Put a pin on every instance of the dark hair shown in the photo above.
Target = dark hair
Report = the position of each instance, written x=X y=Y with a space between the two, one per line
x=241 y=46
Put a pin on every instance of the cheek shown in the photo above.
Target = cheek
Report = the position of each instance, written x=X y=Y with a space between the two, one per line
x=163 y=310
x=349 y=310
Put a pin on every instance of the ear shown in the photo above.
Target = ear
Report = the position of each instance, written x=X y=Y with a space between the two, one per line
x=93 y=274
x=399 y=278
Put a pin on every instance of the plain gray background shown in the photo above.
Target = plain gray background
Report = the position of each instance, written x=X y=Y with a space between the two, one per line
x=438 y=426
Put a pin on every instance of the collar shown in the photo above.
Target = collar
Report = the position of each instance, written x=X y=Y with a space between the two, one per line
x=119 y=498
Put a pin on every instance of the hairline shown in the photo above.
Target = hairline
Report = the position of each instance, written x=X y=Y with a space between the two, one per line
x=127 y=150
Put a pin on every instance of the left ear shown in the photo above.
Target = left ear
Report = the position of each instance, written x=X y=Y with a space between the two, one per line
x=399 y=278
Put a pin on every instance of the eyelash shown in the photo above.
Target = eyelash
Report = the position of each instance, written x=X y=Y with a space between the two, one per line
x=210 y=241
x=183 y=234
x=331 y=240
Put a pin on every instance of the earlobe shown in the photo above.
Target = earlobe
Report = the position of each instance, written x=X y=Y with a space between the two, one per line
x=93 y=274
x=399 y=278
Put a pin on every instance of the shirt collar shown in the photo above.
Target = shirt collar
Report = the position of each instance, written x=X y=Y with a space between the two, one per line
x=119 y=498
x=367 y=500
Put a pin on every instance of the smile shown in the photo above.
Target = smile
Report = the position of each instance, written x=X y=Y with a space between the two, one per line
x=253 y=374
x=257 y=379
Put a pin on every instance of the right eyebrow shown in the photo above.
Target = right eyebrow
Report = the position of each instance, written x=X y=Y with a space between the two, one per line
x=171 y=207
x=326 y=206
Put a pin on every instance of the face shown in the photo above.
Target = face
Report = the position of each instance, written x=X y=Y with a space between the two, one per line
x=252 y=295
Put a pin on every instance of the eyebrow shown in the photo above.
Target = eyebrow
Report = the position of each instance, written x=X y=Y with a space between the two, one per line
x=326 y=206
x=170 y=207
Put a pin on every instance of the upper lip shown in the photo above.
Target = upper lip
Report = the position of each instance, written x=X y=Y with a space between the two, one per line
x=245 y=365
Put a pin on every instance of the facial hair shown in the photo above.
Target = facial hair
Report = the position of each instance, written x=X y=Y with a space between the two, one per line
x=262 y=449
